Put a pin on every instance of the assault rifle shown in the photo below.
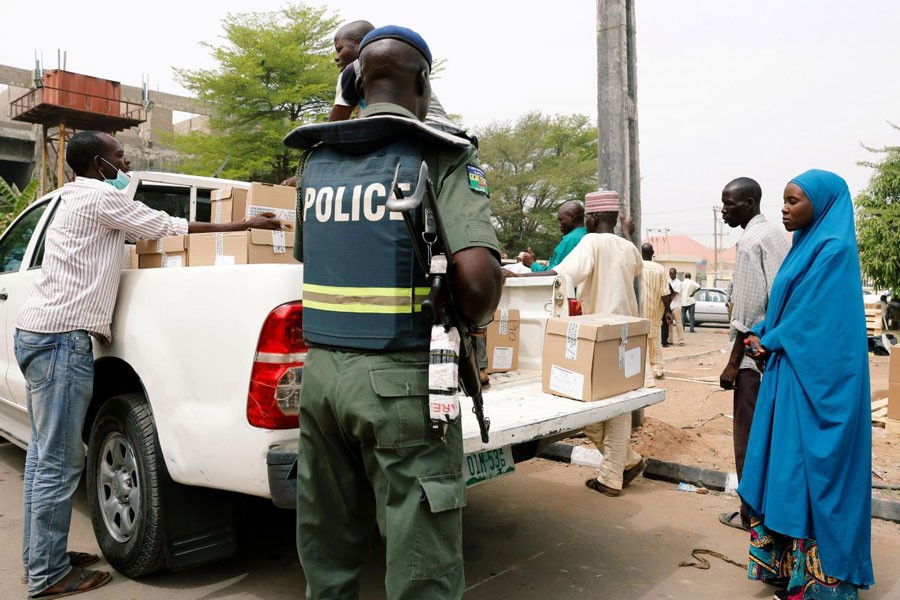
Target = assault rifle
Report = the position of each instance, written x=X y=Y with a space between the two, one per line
x=441 y=305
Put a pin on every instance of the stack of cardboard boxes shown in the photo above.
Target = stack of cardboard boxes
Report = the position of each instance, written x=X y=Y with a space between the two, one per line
x=893 y=412
x=231 y=248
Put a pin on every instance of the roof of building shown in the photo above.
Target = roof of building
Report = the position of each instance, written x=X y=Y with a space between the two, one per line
x=682 y=245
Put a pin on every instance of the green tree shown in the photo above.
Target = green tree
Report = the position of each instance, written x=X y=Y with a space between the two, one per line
x=13 y=200
x=533 y=166
x=274 y=72
x=878 y=221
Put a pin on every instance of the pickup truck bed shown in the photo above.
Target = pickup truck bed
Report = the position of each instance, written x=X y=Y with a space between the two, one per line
x=520 y=412
x=521 y=416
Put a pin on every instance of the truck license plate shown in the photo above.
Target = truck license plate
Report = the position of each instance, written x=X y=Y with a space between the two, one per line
x=482 y=466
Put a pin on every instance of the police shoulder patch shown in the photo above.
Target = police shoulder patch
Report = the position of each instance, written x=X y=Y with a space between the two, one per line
x=477 y=180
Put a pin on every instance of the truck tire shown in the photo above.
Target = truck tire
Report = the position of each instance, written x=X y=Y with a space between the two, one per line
x=123 y=486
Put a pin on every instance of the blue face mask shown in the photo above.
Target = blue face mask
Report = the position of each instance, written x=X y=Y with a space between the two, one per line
x=121 y=181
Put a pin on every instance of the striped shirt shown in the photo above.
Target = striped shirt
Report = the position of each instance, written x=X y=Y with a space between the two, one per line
x=654 y=285
x=82 y=262
x=760 y=252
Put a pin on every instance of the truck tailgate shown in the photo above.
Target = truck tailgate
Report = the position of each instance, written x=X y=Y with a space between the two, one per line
x=519 y=412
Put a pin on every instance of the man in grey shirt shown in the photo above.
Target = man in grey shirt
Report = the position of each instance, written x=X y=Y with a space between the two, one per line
x=760 y=252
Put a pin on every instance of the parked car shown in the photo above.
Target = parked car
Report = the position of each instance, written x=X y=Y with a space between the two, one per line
x=711 y=306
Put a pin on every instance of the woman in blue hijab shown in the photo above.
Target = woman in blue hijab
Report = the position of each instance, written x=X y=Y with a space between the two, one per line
x=807 y=474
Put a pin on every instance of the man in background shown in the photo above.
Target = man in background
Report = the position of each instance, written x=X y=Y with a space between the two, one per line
x=571 y=223
x=675 y=304
x=603 y=266
x=655 y=297
x=760 y=252
x=689 y=287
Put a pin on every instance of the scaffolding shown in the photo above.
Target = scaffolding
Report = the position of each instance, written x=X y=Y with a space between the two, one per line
x=63 y=103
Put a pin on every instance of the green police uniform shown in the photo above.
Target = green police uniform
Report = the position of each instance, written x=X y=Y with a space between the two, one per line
x=367 y=455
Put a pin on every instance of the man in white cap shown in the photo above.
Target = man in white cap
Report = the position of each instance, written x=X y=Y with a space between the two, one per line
x=604 y=266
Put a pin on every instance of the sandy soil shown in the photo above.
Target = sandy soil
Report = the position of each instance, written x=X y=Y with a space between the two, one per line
x=693 y=426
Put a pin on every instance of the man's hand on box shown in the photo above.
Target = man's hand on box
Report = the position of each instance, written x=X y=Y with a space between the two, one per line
x=264 y=220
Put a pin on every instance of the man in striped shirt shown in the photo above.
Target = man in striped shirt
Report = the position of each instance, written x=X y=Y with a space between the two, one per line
x=71 y=301
x=655 y=297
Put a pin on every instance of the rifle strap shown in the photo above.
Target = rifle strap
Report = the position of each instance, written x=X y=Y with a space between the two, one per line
x=298 y=226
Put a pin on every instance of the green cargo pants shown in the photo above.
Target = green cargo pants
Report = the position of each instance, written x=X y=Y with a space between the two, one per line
x=366 y=457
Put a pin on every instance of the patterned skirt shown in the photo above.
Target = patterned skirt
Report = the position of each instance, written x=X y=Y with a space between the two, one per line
x=793 y=564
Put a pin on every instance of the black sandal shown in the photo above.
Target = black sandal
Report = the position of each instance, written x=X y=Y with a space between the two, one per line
x=728 y=518
x=77 y=581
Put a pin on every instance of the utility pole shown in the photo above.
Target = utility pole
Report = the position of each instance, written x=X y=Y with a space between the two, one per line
x=617 y=122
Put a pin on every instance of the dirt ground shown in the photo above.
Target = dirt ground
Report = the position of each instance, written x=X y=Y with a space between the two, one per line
x=694 y=426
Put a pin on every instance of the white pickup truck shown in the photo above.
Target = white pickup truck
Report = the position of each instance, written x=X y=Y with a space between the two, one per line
x=197 y=396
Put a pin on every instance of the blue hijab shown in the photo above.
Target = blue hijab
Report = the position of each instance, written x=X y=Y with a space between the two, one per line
x=809 y=457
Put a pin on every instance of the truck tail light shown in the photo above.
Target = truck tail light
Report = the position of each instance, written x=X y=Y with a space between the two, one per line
x=574 y=307
x=274 y=398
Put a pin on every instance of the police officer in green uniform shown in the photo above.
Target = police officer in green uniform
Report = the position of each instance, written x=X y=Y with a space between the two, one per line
x=367 y=453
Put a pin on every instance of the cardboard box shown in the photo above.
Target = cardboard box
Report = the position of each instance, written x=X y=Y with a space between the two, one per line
x=893 y=407
x=215 y=249
x=503 y=341
x=228 y=205
x=270 y=246
x=278 y=199
x=166 y=252
x=894 y=367
x=592 y=357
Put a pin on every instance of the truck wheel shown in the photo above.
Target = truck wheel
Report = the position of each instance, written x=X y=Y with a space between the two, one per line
x=123 y=485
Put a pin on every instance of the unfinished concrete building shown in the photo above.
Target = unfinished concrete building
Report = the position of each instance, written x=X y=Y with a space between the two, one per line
x=143 y=122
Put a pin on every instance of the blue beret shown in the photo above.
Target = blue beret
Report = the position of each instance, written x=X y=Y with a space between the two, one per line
x=395 y=32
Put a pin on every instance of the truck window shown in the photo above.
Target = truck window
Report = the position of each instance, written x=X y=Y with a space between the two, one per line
x=174 y=200
x=38 y=258
x=15 y=240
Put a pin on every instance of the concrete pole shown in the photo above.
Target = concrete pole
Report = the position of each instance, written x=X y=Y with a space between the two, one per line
x=617 y=121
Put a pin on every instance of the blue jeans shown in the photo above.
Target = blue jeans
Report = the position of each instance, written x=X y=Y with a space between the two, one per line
x=59 y=374
x=685 y=312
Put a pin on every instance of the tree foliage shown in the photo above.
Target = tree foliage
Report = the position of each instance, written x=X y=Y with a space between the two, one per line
x=274 y=72
x=878 y=221
x=533 y=166
x=13 y=200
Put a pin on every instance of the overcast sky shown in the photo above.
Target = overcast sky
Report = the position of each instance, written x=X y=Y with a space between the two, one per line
x=726 y=88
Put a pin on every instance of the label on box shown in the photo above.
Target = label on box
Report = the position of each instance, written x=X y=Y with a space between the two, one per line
x=172 y=261
x=566 y=382
x=218 y=212
x=278 y=242
x=504 y=321
x=572 y=340
x=502 y=358
x=283 y=214
x=632 y=362
x=220 y=242
x=159 y=248
x=622 y=344
x=224 y=261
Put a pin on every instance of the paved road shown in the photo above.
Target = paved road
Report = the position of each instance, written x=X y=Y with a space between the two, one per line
x=538 y=534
